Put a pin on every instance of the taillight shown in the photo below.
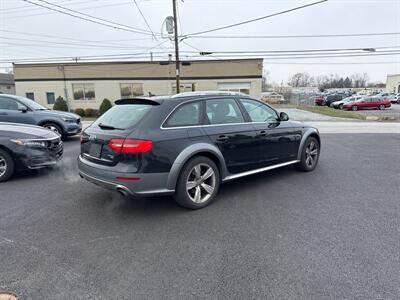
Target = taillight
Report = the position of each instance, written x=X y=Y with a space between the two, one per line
x=130 y=146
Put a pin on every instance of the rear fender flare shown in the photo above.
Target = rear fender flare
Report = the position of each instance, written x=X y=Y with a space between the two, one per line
x=187 y=154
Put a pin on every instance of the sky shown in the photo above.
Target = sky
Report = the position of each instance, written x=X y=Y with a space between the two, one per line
x=30 y=31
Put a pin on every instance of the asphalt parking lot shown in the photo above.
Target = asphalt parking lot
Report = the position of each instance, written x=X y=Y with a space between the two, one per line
x=329 y=234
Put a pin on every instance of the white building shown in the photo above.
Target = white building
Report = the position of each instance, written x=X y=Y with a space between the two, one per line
x=393 y=83
x=85 y=85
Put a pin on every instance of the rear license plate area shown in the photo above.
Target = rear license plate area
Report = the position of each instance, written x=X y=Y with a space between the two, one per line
x=95 y=150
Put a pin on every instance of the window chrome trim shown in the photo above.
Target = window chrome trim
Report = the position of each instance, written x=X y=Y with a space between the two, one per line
x=211 y=125
x=251 y=172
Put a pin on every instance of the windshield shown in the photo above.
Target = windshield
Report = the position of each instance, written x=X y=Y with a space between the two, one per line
x=31 y=104
x=123 y=116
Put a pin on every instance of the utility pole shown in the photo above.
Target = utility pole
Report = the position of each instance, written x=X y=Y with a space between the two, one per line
x=177 y=63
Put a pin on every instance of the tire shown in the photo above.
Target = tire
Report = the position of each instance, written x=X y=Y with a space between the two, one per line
x=354 y=108
x=381 y=107
x=305 y=163
x=341 y=106
x=6 y=166
x=55 y=128
x=185 y=196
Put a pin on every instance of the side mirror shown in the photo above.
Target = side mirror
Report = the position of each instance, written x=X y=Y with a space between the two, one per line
x=23 y=109
x=283 y=116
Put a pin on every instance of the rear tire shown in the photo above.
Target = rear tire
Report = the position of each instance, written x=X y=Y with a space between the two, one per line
x=198 y=183
x=6 y=166
x=381 y=107
x=354 y=108
x=309 y=155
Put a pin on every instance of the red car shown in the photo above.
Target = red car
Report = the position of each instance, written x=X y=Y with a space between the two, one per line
x=319 y=100
x=368 y=103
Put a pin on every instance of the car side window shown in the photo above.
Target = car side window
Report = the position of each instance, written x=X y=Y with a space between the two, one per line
x=9 y=104
x=259 y=112
x=223 y=111
x=185 y=115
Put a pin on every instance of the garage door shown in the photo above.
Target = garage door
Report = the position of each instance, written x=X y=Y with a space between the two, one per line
x=242 y=87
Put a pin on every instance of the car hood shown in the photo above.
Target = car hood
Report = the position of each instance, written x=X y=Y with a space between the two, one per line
x=23 y=131
x=57 y=114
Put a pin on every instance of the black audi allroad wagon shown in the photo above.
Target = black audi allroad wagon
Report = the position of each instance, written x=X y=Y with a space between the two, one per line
x=188 y=144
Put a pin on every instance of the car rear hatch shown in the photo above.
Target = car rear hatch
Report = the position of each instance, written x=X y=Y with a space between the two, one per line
x=106 y=141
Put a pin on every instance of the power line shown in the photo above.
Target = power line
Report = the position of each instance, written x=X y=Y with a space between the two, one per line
x=292 y=36
x=335 y=63
x=52 y=44
x=144 y=18
x=89 y=18
x=256 y=19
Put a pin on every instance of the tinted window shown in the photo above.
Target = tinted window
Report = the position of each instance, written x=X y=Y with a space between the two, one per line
x=124 y=116
x=259 y=112
x=9 y=104
x=223 y=111
x=185 y=115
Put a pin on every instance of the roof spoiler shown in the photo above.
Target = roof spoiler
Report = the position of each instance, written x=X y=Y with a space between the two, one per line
x=138 y=100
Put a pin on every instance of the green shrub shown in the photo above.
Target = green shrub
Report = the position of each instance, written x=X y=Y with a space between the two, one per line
x=104 y=106
x=60 y=104
x=91 y=113
x=80 y=112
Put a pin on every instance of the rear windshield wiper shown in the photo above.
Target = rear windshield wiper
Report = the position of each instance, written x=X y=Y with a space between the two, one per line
x=104 y=126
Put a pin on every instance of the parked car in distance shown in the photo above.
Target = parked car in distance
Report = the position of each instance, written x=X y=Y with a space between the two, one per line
x=272 y=98
x=16 y=109
x=27 y=147
x=339 y=104
x=187 y=145
x=333 y=97
x=368 y=103
x=319 y=100
x=397 y=98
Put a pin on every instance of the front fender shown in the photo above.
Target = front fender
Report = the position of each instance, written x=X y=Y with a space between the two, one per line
x=187 y=154
x=307 y=132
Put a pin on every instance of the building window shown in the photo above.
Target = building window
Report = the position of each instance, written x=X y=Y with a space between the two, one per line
x=51 y=98
x=129 y=90
x=183 y=87
x=83 y=91
x=8 y=87
x=30 y=95
x=241 y=87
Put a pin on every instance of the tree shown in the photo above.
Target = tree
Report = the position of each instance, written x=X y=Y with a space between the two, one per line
x=266 y=81
x=348 y=83
x=360 y=80
x=60 y=104
x=300 y=80
x=104 y=106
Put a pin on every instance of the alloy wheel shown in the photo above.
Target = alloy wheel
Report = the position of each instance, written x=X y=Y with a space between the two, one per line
x=381 y=107
x=311 y=154
x=200 y=183
x=3 y=166
x=52 y=128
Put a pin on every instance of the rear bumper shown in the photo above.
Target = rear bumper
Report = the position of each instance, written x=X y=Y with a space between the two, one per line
x=149 y=184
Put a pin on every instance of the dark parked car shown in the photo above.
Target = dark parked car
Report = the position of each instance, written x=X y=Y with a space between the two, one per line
x=27 y=147
x=186 y=145
x=368 y=103
x=333 y=98
x=18 y=109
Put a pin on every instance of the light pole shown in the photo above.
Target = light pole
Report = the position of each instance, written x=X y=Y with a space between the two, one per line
x=177 y=63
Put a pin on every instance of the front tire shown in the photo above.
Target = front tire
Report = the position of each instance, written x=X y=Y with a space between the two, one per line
x=6 y=166
x=55 y=128
x=381 y=107
x=341 y=106
x=354 y=108
x=198 y=183
x=309 y=155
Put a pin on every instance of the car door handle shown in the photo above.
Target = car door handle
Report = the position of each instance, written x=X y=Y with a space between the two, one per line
x=262 y=133
x=222 y=138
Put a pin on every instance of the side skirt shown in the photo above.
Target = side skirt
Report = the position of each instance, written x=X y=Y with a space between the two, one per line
x=234 y=176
